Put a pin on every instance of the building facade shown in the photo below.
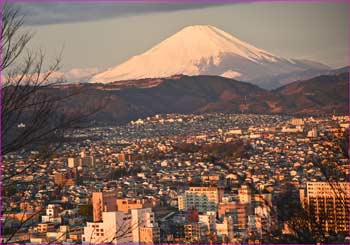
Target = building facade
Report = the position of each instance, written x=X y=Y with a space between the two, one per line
x=202 y=198
x=330 y=204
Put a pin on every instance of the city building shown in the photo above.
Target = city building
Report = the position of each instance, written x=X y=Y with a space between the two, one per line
x=114 y=229
x=103 y=202
x=126 y=204
x=329 y=202
x=244 y=194
x=52 y=214
x=202 y=198
x=209 y=218
x=143 y=226
x=64 y=179
x=238 y=211
x=195 y=232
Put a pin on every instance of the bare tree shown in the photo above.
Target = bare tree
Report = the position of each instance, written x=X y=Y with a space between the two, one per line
x=33 y=116
x=30 y=115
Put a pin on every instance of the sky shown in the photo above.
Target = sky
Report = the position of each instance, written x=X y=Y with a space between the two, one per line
x=98 y=35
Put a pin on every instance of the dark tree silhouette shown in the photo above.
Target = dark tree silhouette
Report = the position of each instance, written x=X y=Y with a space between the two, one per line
x=31 y=117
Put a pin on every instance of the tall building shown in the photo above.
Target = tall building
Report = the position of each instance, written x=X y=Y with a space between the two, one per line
x=195 y=232
x=121 y=157
x=149 y=235
x=144 y=226
x=64 y=179
x=124 y=156
x=72 y=162
x=135 y=227
x=103 y=202
x=330 y=204
x=225 y=229
x=114 y=229
x=108 y=202
x=209 y=218
x=202 y=198
x=83 y=161
x=264 y=220
x=244 y=194
x=238 y=211
x=82 y=153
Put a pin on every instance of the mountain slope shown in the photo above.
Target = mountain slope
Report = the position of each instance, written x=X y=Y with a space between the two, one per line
x=201 y=94
x=322 y=94
x=273 y=82
x=179 y=94
x=203 y=50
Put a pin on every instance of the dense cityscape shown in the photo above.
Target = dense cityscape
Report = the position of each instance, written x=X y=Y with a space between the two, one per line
x=174 y=122
x=174 y=178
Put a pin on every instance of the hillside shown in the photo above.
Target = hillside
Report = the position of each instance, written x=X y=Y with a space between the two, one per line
x=203 y=94
x=322 y=94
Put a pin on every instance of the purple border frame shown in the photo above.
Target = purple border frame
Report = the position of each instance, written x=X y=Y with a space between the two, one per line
x=157 y=1
x=177 y=1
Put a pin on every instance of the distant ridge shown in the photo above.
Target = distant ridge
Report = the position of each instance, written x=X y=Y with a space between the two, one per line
x=203 y=94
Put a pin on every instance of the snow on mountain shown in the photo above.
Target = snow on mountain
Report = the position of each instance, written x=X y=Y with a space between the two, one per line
x=231 y=74
x=202 y=50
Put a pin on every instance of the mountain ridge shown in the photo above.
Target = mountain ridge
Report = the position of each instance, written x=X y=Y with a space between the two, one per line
x=207 y=94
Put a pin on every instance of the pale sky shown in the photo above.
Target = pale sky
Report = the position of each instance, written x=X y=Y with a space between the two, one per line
x=102 y=35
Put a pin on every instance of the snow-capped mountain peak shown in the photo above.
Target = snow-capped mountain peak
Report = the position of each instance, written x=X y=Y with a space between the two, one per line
x=203 y=41
x=200 y=50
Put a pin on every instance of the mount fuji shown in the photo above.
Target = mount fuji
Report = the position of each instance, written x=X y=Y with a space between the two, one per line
x=205 y=50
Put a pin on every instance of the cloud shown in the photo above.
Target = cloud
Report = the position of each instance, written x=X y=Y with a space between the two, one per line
x=75 y=75
x=80 y=75
x=45 y=13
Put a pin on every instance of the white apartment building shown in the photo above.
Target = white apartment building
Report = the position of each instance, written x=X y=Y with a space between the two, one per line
x=144 y=227
x=116 y=227
x=52 y=214
x=202 y=198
